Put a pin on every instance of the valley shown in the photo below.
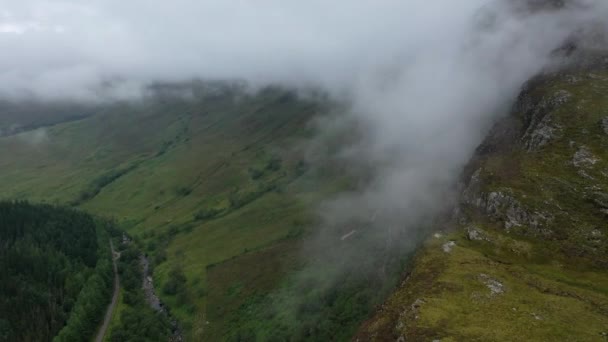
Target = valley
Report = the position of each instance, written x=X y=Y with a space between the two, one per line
x=222 y=204
x=197 y=184
x=295 y=171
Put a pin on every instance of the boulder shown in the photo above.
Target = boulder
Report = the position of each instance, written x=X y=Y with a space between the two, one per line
x=583 y=158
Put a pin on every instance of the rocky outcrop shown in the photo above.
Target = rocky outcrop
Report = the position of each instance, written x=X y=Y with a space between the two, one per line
x=543 y=132
x=541 y=128
x=476 y=234
x=495 y=286
x=583 y=158
x=504 y=207
x=448 y=246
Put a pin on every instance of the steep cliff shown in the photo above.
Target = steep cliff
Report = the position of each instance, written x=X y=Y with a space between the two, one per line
x=525 y=255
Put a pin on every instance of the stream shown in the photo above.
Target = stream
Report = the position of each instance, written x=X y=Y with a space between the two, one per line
x=154 y=301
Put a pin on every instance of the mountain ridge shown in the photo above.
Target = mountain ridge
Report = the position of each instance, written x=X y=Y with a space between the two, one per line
x=524 y=256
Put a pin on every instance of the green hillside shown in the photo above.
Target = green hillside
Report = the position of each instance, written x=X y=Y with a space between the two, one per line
x=527 y=257
x=195 y=181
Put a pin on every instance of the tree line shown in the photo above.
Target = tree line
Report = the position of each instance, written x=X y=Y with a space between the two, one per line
x=56 y=274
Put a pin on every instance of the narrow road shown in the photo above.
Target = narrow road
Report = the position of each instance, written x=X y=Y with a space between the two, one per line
x=106 y=321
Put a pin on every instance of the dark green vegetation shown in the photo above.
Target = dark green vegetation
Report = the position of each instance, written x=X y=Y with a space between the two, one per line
x=324 y=301
x=528 y=257
x=137 y=321
x=217 y=183
x=56 y=270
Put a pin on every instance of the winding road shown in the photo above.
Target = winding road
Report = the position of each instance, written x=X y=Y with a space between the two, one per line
x=106 y=321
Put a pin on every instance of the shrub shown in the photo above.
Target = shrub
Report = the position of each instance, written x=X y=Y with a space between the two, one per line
x=207 y=213
x=183 y=191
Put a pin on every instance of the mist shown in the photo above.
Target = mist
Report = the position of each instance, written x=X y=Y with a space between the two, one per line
x=68 y=48
x=423 y=80
x=425 y=112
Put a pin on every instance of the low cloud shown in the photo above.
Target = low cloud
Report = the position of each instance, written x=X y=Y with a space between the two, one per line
x=35 y=137
x=69 y=48
x=422 y=80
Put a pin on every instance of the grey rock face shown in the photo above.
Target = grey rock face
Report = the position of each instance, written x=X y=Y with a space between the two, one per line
x=503 y=207
x=541 y=128
x=583 y=158
x=476 y=234
x=495 y=286
x=448 y=246
x=541 y=134
x=473 y=189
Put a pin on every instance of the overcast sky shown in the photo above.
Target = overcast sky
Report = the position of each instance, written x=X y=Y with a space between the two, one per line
x=64 y=47
x=60 y=46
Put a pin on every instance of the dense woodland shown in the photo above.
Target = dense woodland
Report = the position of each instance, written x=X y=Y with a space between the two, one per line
x=56 y=274
x=138 y=321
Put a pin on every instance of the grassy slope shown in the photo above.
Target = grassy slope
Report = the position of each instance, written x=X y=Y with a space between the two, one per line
x=555 y=285
x=237 y=284
x=154 y=166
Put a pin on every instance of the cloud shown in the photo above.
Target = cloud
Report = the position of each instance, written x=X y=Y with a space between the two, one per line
x=421 y=106
x=34 y=137
x=427 y=106
x=422 y=79
x=68 y=47
x=426 y=77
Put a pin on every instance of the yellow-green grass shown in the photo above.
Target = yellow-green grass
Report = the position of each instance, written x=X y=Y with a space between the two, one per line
x=540 y=301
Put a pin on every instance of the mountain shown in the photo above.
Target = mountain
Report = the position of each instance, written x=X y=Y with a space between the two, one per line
x=218 y=188
x=207 y=185
x=525 y=255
